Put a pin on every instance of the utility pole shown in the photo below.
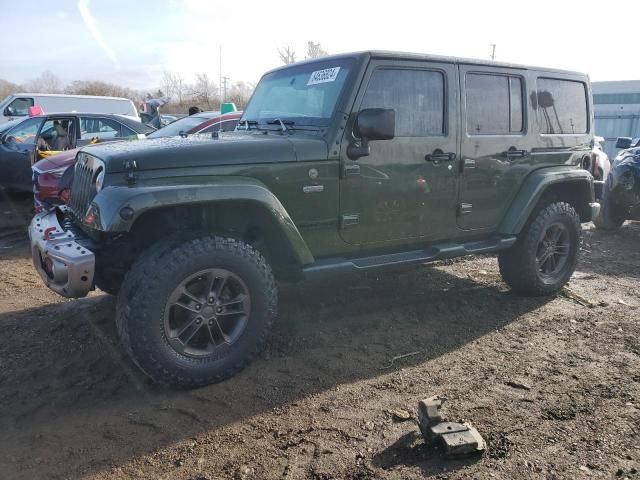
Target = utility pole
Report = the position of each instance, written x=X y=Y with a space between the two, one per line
x=220 y=84
x=493 y=51
x=224 y=81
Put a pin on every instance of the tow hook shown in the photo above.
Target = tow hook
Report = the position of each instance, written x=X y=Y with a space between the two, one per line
x=47 y=233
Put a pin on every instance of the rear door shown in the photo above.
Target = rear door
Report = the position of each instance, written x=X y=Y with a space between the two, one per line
x=407 y=187
x=496 y=143
x=101 y=128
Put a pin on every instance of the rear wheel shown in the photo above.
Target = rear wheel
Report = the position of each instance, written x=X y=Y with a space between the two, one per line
x=544 y=257
x=197 y=313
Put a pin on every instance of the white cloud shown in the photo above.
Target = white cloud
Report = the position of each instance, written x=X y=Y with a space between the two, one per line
x=90 y=23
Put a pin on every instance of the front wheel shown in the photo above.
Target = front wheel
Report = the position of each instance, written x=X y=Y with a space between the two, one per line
x=196 y=313
x=544 y=257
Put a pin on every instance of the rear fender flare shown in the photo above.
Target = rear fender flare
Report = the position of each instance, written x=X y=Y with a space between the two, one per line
x=535 y=186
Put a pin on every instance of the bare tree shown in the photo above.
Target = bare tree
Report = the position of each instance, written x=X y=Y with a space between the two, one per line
x=287 y=55
x=167 y=83
x=7 y=88
x=314 y=50
x=239 y=93
x=47 y=82
x=204 y=90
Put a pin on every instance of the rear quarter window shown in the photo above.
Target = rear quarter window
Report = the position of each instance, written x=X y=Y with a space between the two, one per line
x=562 y=106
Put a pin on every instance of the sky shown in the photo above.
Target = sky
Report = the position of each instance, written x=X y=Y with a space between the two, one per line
x=132 y=42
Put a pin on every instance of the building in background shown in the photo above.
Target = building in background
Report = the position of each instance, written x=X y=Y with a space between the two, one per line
x=617 y=111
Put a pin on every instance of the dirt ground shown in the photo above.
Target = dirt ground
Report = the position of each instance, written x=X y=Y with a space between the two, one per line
x=317 y=404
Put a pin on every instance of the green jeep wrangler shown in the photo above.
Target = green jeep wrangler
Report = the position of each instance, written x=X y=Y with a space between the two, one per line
x=342 y=164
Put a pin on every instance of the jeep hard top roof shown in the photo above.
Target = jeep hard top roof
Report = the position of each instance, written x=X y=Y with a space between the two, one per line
x=383 y=54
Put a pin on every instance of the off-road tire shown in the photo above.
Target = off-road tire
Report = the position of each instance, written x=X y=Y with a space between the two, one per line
x=519 y=266
x=143 y=298
x=609 y=217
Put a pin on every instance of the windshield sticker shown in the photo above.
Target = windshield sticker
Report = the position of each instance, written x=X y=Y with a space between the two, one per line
x=323 y=76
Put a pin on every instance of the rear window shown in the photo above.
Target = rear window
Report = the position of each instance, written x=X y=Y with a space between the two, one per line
x=182 y=125
x=562 y=106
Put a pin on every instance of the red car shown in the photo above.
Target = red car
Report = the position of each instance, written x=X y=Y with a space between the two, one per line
x=48 y=171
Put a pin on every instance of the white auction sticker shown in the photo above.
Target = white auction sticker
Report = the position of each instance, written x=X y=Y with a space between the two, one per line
x=323 y=76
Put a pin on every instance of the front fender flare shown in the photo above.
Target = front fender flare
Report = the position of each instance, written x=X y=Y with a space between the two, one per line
x=144 y=198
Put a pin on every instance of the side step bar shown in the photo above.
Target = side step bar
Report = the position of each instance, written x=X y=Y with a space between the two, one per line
x=331 y=266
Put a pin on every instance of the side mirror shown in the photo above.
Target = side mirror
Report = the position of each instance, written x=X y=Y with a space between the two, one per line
x=623 y=142
x=372 y=124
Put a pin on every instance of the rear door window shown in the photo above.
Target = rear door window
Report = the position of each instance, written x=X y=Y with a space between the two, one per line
x=494 y=104
x=562 y=106
x=102 y=128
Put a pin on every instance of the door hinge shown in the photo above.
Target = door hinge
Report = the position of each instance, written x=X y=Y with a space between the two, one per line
x=349 y=220
x=465 y=208
x=130 y=166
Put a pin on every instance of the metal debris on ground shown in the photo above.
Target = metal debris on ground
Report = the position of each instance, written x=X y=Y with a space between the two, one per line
x=454 y=438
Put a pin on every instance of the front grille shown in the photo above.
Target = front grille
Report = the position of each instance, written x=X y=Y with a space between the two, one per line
x=83 y=187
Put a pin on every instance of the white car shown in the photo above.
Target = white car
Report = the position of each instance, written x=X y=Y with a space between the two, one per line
x=17 y=106
x=598 y=162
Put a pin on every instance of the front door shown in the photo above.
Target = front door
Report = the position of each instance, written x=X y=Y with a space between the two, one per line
x=57 y=134
x=407 y=187
x=17 y=152
x=496 y=143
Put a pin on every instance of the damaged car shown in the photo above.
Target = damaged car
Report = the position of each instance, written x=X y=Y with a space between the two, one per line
x=621 y=189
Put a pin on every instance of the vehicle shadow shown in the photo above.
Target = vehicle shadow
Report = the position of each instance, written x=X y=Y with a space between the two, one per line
x=66 y=382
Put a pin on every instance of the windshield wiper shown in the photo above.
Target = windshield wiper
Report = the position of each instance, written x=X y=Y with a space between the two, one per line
x=283 y=123
x=247 y=123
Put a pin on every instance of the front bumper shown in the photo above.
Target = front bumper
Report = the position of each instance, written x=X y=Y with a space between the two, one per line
x=66 y=266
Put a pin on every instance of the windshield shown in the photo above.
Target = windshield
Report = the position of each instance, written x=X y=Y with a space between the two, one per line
x=306 y=94
x=181 y=125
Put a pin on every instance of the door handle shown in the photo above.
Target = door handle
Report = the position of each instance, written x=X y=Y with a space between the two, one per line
x=514 y=153
x=438 y=155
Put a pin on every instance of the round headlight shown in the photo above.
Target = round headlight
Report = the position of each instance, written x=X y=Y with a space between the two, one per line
x=99 y=180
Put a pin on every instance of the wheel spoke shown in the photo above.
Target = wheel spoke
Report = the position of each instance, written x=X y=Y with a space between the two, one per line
x=552 y=262
x=190 y=296
x=543 y=259
x=215 y=326
x=217 y=285
x=185 y=306
x=191 y=332
x=555 y=234
x=562 y=249
x=189 y=325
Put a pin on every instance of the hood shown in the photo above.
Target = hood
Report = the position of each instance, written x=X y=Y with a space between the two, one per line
x=234 y=148
x=56 y=161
